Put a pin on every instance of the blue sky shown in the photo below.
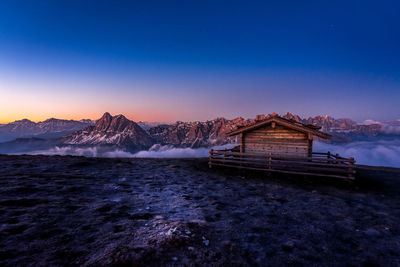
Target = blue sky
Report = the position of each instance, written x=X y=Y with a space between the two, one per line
x=196 y=60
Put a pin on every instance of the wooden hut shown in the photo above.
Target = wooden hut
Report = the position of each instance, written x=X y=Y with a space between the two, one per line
x=276 y=144
x=277 y=135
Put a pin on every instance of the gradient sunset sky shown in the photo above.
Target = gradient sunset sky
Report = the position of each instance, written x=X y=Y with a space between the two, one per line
x=196 y=60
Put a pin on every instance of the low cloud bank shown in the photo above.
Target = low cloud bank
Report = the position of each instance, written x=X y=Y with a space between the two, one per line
x=376 y=153
x=70 y=150
x=156 y=151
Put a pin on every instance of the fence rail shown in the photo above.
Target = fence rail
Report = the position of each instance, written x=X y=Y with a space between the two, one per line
x=319 y=164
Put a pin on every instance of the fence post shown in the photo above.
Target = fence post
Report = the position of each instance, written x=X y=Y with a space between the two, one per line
x=210 y=158
x=225 y=150
x=351 y=165
x=329 y=156
x=269 y=160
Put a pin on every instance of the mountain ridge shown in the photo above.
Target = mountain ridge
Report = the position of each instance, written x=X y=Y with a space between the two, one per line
x=118 y=131
x=50 y=128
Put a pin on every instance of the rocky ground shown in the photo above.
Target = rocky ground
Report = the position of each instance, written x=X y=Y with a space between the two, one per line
x=89 y=211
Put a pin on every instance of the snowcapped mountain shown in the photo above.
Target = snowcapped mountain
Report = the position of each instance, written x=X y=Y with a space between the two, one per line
x=347 y=130
x=120 y=132
x=196 y=134
x=109 y=130
x=209 y=133
x=51 y=128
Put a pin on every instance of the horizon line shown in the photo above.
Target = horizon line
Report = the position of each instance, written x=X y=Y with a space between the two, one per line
x=170 y=122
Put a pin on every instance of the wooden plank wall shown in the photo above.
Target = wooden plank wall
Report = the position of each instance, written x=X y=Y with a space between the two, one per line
x=277 y=140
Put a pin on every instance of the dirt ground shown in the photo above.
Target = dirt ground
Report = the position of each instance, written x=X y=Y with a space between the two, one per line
x=87 y=211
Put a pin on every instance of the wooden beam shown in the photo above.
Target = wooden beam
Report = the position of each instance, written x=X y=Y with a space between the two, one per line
x=310 y=143
x=277 y=156
x=210 y=158
x=288 y=172
x=287 y=165
x=273 y=161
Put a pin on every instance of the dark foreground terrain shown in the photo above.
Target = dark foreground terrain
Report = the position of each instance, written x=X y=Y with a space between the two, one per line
x=87 y=211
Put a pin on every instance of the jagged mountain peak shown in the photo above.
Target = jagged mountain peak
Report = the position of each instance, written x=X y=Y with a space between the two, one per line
x=219 y=119
x=112 y=130
x=104 y=122
x=116 y=123
x=106 y=116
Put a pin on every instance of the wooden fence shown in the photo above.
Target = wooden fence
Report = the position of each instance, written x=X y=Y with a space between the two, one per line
x=319 y=164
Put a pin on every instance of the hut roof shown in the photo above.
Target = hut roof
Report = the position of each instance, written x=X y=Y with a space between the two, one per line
x=311 y=129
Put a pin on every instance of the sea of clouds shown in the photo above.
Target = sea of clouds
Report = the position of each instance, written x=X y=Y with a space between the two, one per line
x=375 y=153
x=156 y=151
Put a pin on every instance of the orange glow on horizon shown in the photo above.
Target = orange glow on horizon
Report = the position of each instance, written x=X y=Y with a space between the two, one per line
x=148 y=116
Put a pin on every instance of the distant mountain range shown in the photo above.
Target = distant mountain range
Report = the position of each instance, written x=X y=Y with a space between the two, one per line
x=51 y=128
x=118 y=131
x=208 y=133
